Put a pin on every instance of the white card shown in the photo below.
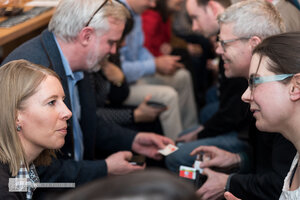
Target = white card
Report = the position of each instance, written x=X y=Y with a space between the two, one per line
x=168 y=150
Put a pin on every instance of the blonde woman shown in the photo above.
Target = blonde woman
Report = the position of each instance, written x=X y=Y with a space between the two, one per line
x=33 y=123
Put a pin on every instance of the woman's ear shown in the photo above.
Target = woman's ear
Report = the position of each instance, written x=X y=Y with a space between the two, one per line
x=295 y=88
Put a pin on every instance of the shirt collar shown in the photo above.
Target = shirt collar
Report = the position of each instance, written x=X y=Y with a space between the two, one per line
x=78 y=75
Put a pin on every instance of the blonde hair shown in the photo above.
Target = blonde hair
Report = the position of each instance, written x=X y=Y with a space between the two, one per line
x=19 y=80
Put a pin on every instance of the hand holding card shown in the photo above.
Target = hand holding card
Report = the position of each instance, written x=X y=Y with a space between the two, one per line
x=170 y=148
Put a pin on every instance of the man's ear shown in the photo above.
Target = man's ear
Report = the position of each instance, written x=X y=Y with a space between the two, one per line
x=85 y=35
x=295 y=88
x=213 y=5
x=254 y=41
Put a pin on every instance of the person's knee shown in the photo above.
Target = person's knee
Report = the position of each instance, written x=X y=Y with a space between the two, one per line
x=183 y=76
x=169 y=95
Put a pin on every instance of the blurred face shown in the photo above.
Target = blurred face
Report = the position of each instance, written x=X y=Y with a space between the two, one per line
x=269 y=101
x=235 y=54
x=174 y=5
x=44 y=117
x=203 y=19
x=139 y=6
x=103 y=45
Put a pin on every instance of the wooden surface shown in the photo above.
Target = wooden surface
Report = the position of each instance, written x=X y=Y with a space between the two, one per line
x=10 y=34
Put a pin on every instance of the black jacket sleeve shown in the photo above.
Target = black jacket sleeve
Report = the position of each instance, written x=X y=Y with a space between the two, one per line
x=273 y=157
x=232 y=114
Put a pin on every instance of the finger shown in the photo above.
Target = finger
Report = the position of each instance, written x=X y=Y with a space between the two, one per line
x=230 y=196
x=127 y=155
x=167 y=140
x=180 y=139
x=176 y=58
x=207 y=163
x=157 y=156
x=179 y=65
x=201 y=191
x=138 y=167
x=208 y=172
x=147 y=97
x=196 y=151
x=205 y=149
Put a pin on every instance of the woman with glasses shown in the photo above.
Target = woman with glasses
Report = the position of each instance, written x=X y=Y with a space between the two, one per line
x=274 y=96
x=33 y=123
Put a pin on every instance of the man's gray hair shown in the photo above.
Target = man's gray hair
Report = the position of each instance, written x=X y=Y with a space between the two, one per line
x=71 y=16
x=253 y=18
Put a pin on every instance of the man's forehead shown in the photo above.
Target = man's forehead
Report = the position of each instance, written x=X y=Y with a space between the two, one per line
x=226 y=30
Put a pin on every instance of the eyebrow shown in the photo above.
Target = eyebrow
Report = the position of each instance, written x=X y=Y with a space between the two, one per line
x=54 y=97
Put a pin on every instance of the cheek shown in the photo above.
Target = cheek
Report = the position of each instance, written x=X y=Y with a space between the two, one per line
x=35 y=122
x=273 y=108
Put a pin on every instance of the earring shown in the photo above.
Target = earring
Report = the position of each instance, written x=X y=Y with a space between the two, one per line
x=19 y=128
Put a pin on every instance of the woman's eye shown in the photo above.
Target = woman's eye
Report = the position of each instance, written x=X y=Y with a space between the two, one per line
x=52 y=102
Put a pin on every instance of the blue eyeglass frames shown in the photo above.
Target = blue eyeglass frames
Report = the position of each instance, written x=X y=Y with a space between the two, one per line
x=255 y=80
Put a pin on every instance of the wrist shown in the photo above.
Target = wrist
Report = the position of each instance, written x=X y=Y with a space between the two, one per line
x=236 y=160
x=119 y=82
x=136 y=114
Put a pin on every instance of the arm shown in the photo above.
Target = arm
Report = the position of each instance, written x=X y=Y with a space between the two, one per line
x=79 y=172
x=232 y=114
x=152 y=22
x=267 y=182
x=136 y=60
x=4 y=188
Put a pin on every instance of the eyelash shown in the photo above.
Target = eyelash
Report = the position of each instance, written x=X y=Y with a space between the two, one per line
x=52 y=103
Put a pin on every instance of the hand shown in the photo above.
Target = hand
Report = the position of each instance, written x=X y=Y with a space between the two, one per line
x=194 y=49
x=192 y=136
x=145 y=113
x=230 y=196
x=213 y=188
x=167 y=65
x=165 y=49
x=148 y=144
x=117 y=163
x=218 y=157
x=113 y=73
x=213 y=64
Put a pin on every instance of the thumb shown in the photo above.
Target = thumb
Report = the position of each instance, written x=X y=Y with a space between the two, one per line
x=147 y=97
x=176 y=58
x=208 y=172
x=207 y=163
x=230 y=196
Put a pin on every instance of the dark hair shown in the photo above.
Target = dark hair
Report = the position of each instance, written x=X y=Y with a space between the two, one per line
x=148 y=184
x=282 y=51
x=162 y=8
x=224 y=3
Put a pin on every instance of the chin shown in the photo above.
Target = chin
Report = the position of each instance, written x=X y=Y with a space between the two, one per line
x=263 y=127
x=59 y=144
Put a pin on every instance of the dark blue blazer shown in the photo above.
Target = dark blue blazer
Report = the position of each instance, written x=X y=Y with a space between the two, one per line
x=97 y=134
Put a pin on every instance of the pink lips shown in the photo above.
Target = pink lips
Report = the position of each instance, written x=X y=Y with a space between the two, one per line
x=63 y=130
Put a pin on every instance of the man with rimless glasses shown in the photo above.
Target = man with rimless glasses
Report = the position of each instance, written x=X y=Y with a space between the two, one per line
x=242 y=27
x=80 y=34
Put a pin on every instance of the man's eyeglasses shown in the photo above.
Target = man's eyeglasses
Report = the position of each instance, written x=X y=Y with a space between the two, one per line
x=223 y=43
x=103 y=4
x=255 y=80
